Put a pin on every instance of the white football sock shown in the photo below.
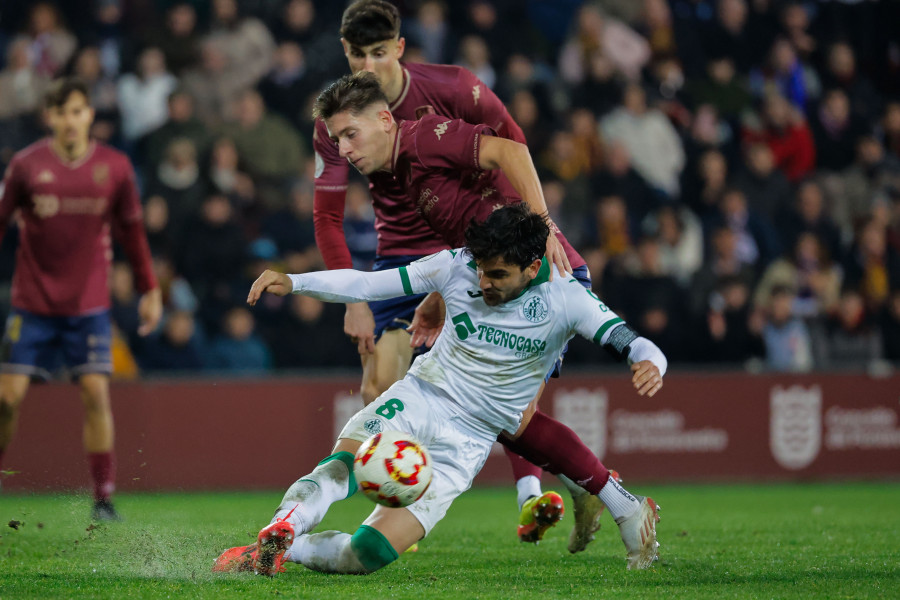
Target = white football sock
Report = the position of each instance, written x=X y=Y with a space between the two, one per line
x=528 y=486
x=305 y=503
x=328 y=552
x=574 y=489
x=618 y=500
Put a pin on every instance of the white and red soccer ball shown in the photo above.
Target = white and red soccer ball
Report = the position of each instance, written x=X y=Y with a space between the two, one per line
x=392 y=468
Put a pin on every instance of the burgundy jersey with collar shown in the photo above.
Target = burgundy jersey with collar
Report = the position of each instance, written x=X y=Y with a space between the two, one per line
x=437 y=160
x=67 y=212
x=443 y=89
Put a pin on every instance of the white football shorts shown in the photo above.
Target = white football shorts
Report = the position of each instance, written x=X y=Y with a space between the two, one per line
x=458 y=442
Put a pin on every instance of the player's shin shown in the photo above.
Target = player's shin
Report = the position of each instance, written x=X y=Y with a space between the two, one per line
x=305 y=503
x=365 y=551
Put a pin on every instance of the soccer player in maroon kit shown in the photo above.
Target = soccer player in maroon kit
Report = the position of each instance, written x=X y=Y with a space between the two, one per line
x=371 y=40
x=71 y=193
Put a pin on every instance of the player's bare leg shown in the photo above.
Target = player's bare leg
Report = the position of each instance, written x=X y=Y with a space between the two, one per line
x=98 y=441
x=387 y=533
x=386 y=365
x=13 y=387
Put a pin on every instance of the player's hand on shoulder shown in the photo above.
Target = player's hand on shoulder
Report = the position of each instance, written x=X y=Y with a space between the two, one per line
x=272 y=282
x=646 y=378
x=556 y=254
x=359 y=325
x=428 y=320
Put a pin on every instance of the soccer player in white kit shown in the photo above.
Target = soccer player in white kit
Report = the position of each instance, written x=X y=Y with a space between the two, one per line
x=506 y=324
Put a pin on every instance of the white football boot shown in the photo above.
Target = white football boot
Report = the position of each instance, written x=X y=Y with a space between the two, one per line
x=639 y=534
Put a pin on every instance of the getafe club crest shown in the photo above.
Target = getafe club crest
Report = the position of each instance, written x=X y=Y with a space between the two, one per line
x=795 y=425
x=534 y=309
x=373 y=426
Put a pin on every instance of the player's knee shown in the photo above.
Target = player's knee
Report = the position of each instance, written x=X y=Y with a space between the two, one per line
x=95 y=394
x=10 y=399
x=375 y=386
x=372 y=549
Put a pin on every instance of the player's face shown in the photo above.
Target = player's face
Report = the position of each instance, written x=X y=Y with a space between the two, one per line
x=381 y=58
x=364 y=139
x=71 y=122
x=501 y=282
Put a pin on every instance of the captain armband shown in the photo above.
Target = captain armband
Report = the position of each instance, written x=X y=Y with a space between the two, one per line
x=619 y=341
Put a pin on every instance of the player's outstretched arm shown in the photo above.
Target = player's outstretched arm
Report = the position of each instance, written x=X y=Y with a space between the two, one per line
x=272 y=282
x=515 y=161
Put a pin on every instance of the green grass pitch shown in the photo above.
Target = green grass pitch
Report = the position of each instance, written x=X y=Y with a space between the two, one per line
x=741 y=541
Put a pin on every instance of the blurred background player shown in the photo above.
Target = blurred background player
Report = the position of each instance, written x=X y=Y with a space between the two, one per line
x=370 y=35
x=71 y=193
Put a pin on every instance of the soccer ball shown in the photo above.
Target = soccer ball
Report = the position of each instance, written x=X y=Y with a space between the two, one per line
x=392 y=468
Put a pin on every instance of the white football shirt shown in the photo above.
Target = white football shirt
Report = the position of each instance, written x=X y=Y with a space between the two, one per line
x=491 y=360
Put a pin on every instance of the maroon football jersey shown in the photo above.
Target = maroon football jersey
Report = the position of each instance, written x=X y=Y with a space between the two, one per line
x=67 y=211
x=437 y=160
x=442 y=89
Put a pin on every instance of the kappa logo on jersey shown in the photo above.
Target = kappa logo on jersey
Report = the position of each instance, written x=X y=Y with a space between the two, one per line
x=534 y=309
x=476 y=93
x=441 y=129
x=45 y=176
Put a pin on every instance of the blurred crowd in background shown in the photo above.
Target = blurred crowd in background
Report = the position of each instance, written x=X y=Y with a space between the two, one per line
x=730 y=169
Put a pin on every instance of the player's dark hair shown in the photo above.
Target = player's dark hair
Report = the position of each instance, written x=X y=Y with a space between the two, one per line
x=62 y=88
x=366 y=22
x=350 y=93
x=513 y=232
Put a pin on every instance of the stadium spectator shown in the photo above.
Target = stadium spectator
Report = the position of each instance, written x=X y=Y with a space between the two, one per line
x=473 y=54
x=247 y=43
x=359 y=226
x=178 y=38
x=182 y=122
x=21 y=87
x=238 y=349
x=70 y=192
x=600 y=89
x=212 y=253
x=863 y=188
x=430 y=31
x=178 y=348
x=722 y=263
x=178 y=180
x=890 y=129
x=291 y=228
x=525 y=110
x=496 y=25
x=726 y=333
x=156 y=221
x=849 y=338
x=757 y=240
x=310 y=319
x=104 y=95
x=143 y=95
x=705 y=183
x=227 y=176
x=592 y=30
x=288 y=83
x=766 y=188
x=617 y=177
x=786 y=337
x=786 y=75
x=787 y=134
x=812 y=275
x=721 y=88
x=214 y=84
x=808 y=214
x=654 y=145
x=731 y=35
x=841 y=73
x=872 y=267
x=680 y=238
x=51 y=44
x=267 y=145
x=836 y=130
